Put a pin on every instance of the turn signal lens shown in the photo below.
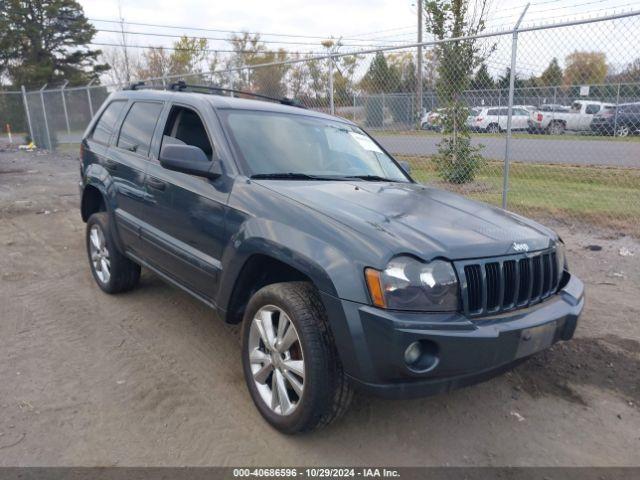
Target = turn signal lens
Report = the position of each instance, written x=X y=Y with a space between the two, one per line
x=375 y=288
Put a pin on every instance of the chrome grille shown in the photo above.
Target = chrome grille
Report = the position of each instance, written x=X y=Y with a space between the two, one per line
x=494 y=285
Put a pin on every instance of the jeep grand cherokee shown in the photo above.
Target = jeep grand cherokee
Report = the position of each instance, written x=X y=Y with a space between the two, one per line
x=344 y=272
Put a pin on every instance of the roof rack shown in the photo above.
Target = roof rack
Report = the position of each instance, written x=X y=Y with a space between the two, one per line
x=182 y=86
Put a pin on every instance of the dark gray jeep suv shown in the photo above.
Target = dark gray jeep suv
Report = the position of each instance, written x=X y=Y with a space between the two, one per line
x=343 y=271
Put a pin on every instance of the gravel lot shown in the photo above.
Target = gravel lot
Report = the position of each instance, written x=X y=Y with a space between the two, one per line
x=152 y=378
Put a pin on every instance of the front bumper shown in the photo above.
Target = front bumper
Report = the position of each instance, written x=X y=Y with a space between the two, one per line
x=461 y=351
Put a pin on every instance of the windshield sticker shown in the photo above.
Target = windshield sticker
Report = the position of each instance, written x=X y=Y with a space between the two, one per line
x=365 y=142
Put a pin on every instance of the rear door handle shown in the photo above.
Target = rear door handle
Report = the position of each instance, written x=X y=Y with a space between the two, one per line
x=156 y=184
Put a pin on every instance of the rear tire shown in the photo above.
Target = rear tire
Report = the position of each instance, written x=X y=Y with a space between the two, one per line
x=112 y=271
x=318 y=392
x=556 y=128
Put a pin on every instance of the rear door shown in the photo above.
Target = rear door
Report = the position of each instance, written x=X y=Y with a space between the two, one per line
x=185 y=235
x=520 y=119
x=129 y=160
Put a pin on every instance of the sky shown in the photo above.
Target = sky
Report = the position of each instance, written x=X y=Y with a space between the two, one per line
x=361 y=23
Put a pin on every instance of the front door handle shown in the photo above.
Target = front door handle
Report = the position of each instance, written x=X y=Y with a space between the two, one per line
x=156 y=184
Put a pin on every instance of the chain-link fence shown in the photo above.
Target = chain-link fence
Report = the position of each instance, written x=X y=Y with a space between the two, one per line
x=540 y=120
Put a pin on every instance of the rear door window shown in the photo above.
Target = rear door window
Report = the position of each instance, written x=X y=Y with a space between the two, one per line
x=138 y=127
x=493 y=112
x=104 y=128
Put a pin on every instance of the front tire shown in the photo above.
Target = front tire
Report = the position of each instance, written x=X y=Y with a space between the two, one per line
x=622 y=131
x=290 y=363
x=493 y=128
x=112 y=271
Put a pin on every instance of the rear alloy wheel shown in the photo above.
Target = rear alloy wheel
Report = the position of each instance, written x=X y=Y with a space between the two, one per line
x=100 y=259
x=112 y=271
x=622 y=131
x=556 y=128
x=289 y=358
x=493 y=128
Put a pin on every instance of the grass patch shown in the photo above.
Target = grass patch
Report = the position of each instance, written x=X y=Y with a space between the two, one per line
x=602 y=196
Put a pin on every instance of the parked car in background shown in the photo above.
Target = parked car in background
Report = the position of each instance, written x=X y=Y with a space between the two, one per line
x=494 y=119
x=623 y=120
x=553 y=107
x=431 y=120
x=577 y=119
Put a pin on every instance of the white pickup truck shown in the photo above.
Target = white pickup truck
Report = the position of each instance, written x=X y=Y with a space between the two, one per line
x=578 y=118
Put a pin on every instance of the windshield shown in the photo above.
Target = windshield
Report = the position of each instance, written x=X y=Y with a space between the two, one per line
x=271 y=143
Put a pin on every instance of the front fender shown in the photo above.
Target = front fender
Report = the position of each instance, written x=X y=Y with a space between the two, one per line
x=332 y=271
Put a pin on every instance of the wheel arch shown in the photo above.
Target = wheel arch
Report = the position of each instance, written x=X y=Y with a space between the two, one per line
x=260 y=269
x=93 y=200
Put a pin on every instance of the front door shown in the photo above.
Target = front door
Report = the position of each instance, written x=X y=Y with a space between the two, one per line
x=186 y=213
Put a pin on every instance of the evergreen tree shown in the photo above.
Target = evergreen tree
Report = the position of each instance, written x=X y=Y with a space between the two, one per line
x=45 y=41
x=482 y=79
x=552 y=75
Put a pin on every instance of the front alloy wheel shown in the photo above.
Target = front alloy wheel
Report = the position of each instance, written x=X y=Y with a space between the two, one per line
x=622 y=131
x=277 y=361
x=289 y=358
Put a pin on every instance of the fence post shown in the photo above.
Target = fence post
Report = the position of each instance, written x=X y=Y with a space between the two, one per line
x=512 y=78
x=615 y=119
x=331 y=105
x=64 y=107
x=88 y=87
x=44 y=115
x=26 y=110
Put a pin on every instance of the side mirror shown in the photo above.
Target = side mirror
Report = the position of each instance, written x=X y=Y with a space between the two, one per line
x=189 y=159
x=405 y=166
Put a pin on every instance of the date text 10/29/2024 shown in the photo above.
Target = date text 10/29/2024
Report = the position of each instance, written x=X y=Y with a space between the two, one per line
x=325 y=472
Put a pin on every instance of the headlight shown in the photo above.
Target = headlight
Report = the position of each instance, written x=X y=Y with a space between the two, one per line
x=561 y=258
x=409 y=284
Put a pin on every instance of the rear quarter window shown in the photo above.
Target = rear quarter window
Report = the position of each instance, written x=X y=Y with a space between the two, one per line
x=138 y=127
x=105 y=125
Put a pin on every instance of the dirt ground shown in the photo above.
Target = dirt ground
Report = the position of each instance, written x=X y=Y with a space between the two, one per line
x=152 y=378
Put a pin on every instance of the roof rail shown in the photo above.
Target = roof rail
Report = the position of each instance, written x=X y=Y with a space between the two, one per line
x=136 y=86
x=181 y=86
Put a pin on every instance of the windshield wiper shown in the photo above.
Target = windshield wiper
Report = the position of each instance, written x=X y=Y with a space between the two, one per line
x=292 y=176
x=370 y=178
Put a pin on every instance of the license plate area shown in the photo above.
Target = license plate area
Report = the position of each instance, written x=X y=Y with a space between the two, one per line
x=534 y=339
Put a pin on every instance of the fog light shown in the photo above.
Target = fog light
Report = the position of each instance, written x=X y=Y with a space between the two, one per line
x=412 y=353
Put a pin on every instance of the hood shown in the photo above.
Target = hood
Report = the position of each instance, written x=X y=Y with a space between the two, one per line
x=420 y=220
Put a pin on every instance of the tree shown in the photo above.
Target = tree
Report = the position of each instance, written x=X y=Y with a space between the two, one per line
x=380 y=78
x=482 y=79
x=458 y=55
x=504 y=81
x=552 y=75
x=585 y=68
x=187 y=57
x=45 y=41
x=121 y=65
x=270 y=80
